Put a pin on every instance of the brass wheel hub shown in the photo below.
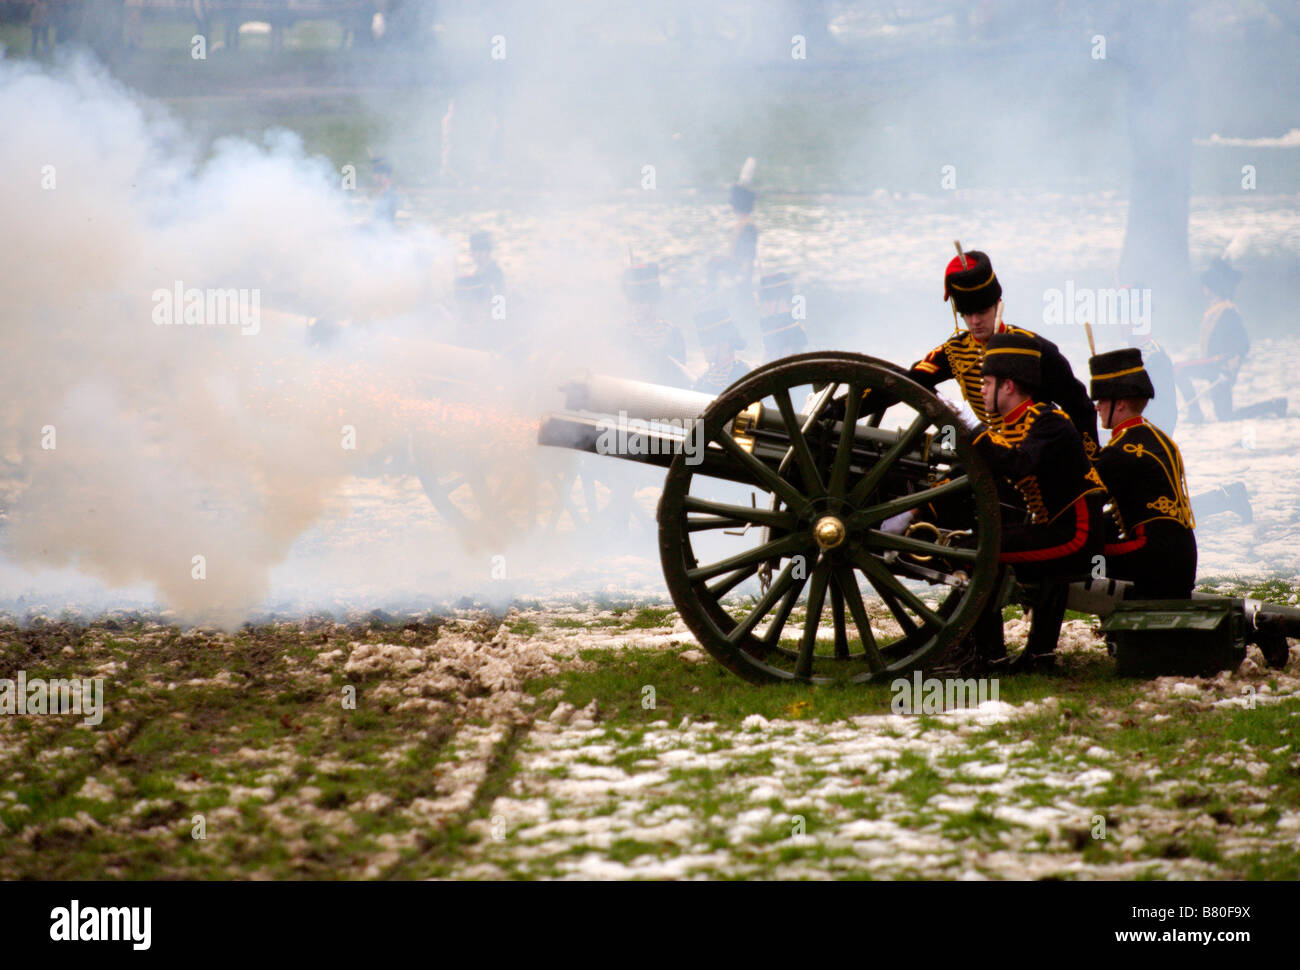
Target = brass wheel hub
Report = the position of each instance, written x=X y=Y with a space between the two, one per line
x=829 y=532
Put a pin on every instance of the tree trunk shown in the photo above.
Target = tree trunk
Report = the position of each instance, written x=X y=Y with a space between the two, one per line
x=1161 y=120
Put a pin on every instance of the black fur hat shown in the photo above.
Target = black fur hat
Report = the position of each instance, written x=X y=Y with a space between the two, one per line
x=714 y=326
x=973 y=288
x=1018 y=356
x=1118 y=374
x=641 y=283
x=1221 y=277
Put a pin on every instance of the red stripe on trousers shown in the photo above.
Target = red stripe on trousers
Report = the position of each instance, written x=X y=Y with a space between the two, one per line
x=1081 y=519
x=1132 y=545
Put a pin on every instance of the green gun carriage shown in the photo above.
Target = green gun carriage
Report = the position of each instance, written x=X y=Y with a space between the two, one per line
x=794 y=497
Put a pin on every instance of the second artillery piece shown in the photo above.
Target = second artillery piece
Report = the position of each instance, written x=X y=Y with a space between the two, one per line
x=800 y=498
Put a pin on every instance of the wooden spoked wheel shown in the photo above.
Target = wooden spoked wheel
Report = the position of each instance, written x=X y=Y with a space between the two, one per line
x=820 y=491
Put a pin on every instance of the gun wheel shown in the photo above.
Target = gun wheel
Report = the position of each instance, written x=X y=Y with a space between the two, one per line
x=818 y=496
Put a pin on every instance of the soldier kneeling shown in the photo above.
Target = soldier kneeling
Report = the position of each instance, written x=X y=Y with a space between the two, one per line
x=1040 y=463
x=1149 y=538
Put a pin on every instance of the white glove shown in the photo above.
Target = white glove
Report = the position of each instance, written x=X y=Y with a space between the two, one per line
x=897 y=524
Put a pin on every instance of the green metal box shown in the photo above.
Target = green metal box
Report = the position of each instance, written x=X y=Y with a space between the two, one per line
x=1187 y=638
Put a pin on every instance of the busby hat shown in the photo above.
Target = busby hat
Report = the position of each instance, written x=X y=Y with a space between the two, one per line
x=742 y=199
x=1018 y=356
x=714 y=326
x=782 y=330
x=641 y=282
x=480 y=242
x=775 y=286
x=1119 y=373
x=1221 y=277
x=973 y=286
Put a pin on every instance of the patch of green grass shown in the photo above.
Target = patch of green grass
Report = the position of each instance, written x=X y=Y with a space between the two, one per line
x=704 y=692
x=649 y=617
x=568 y=623
x=524 y=627
x=979 y=824
x=922 y=780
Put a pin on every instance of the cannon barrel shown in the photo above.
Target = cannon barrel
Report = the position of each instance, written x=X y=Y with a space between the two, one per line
x=652 y=423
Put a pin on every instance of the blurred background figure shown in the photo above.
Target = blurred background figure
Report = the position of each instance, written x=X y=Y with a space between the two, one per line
x=656 y=348
x=731 y=275
x=480 y=297
x=1162 y=411
x=384 y=207
x=720 y=340
x=1224 y=347
x=41 y=29
x=783 y=334
x=486 y=268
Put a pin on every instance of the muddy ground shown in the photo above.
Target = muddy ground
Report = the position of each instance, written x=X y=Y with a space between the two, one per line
x=598 y=741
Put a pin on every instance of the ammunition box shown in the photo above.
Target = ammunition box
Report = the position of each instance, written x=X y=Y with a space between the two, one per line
x=1188 y=638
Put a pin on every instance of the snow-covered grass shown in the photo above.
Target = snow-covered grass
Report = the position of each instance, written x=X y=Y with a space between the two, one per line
x=525 y=748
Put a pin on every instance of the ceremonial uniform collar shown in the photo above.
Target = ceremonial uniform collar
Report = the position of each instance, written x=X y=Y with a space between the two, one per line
x=1014 y=417
x=1125 y=425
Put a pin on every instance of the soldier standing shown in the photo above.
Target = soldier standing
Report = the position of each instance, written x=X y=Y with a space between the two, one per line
x=973 y=287
x=486 y=269
x=733 y=274
x=1149 y=537
x=719 y=339
x=477 y=293
x=384 y=208
x=976 y=294
x=783 y=335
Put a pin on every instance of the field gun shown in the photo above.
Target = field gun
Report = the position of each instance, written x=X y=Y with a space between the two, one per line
x=832 y=482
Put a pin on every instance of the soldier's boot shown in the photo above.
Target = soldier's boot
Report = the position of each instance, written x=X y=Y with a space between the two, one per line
x=1232 y=498
x=1047 y=611
x=984 y=650
x=1239 y=501
x=988 y=634
x=1272 y=408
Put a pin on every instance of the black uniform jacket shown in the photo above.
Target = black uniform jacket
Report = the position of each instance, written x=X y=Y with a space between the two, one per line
x=1142 y=470
x=961 y=358
x=1039 y=452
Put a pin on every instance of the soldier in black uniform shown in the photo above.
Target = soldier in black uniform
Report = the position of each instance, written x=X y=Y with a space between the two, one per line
x=1224 y=346
x=486 y=268
x=658 y=347
x=783 y=335
x=736 y=268
x=1149 y=537
x=969 y=281
x=719 y=339
x=384 y=208
x=1039 y=459
x=476 y=294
